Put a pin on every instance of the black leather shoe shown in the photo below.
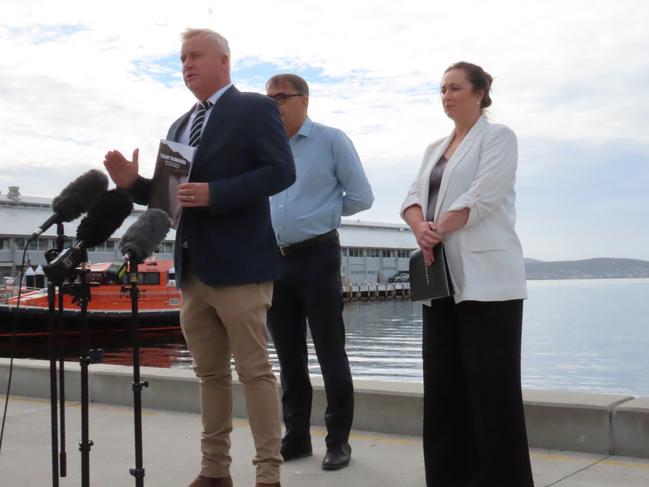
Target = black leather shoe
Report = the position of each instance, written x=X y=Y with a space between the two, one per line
x=337 y=457
x=293 y=452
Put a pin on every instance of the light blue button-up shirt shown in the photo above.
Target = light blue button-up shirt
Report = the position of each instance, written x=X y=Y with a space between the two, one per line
x=330 y=183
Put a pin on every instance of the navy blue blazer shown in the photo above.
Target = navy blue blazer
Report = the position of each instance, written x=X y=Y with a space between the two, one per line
x=245 y=157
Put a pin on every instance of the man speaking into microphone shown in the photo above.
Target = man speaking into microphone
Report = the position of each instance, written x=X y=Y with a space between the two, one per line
x=225 y=254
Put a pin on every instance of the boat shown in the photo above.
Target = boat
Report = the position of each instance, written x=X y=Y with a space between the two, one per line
x=109 y=307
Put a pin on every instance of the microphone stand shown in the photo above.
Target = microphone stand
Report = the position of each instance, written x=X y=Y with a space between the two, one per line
x=134 y=292
x=55 y=324
x=60 y=241
x=81 y=294
x=51 y=304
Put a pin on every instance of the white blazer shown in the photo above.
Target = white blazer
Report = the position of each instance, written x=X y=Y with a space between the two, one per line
x=485 y=258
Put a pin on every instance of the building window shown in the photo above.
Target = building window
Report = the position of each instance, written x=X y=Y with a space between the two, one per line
x=356 y=252
x=149 y=277
x=166 y=247
x=110 y=244
x=344 y=252
x=386 y=253
x=42 y=243
x=5 y=244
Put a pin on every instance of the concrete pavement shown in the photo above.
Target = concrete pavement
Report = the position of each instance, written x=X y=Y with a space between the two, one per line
x=171 y=454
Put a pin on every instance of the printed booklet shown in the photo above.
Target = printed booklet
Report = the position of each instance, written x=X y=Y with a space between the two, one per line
x=172 y=168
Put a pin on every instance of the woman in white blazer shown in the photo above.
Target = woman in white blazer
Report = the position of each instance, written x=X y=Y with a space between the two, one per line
x=463 y=195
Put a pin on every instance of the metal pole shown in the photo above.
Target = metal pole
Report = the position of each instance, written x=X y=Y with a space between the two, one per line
x=85 y=445
x=63 y=456
x=137 y=472
x=60 y=347
x=51 y=300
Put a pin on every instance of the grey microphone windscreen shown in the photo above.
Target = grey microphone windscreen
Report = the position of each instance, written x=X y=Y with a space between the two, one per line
x=144 y=236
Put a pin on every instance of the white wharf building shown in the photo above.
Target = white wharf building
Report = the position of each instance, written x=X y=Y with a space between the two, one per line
x=371 y=252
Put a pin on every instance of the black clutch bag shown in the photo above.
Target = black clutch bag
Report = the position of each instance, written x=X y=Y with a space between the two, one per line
x=429 y=282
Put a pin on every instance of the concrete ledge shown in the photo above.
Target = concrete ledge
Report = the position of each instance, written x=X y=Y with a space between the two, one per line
x=577 y=421
x=32 y=378
x=384 y=407
x=170 y=389
x=560 y=420
x=631 y=428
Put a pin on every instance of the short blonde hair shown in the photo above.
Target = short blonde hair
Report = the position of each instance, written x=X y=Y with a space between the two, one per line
x=220 y=41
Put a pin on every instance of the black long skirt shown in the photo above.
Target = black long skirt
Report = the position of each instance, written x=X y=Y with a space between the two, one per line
x=474 y=424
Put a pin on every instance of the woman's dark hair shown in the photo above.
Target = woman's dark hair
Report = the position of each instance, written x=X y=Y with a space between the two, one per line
x=479 y=79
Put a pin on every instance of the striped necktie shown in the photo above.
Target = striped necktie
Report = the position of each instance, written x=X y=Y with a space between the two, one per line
x=197 y=124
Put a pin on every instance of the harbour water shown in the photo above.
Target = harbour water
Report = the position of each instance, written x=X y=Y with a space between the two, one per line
x=590 y=335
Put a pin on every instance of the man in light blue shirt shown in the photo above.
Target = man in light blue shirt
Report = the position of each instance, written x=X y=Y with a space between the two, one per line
x=330 y=183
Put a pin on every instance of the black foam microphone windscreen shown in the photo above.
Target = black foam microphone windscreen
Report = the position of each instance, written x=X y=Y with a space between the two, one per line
x=144 y=236
x=80 y=195
x=75 y=199
x=105 y=216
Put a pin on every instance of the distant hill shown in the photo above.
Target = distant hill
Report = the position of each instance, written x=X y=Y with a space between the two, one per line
x=586 y=269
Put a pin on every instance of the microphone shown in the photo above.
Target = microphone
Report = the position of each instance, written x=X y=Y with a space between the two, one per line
x=145 y=235
x=106 y=216
x=141 y=239
x=75 y=199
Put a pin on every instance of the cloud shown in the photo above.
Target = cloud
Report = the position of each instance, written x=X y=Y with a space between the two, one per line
x=79 y=79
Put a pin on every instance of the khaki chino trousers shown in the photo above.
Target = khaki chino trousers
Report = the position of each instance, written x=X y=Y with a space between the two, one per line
x=219 y=323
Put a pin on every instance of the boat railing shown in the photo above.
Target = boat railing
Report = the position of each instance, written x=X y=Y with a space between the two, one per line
x=9 y=297
x=125 y=294
x=8 y=293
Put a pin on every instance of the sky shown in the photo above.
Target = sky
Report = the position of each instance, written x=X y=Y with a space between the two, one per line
x=571 y=78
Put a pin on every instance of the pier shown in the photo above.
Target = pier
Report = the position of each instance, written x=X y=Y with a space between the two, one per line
x=374 y=291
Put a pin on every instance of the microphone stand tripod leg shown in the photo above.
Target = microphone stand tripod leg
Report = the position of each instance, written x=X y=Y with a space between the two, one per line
x=87 y=357
x=59 y=346
x=137 y=472
x=63 y=456
x=51 y=299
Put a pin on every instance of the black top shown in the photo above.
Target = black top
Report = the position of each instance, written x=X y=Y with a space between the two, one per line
x=433 y=187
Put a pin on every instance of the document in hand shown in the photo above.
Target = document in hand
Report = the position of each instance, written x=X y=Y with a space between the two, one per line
x=172 y=168
x=429 y=282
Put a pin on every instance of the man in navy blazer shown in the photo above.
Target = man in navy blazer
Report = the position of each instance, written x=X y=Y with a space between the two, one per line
x=225 y=251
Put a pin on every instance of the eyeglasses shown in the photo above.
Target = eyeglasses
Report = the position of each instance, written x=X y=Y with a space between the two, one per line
x=281 y=98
